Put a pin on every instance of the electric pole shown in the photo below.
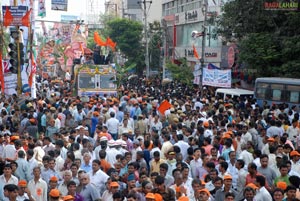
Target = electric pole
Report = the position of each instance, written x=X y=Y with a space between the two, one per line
x=202 y=61
x=144 y=7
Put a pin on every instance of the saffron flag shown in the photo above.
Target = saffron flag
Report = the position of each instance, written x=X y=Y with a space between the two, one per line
x=98 y=39
x=32 y=70
x=26 y=18
x=111 y=43
x=195 y=52
x=7 y=18
x=164 y=106
x=1 y=74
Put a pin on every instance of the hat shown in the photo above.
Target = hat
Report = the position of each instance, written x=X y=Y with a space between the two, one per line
x=79 y=127
x=52 y=108
x=96 y=114
x=150 y=196
x=114 y=184
x=130 y=177
x=54 y=179
x=68 y=197
x=54 y=193
x=111 y=143
x=206 y=124
x=294 y=153
x=118 y=142
x=14 y=137
x=136 y=142
x=22 y=183
x=205 y=191
x=103 y=138
x=158 y=197
x=252 y=185
x=279 y=156
x=183 y=198
x=282 y=185
x=124 y=144
x=172 y=153
x=270 y=139
x=227 y=177
x=172 y=109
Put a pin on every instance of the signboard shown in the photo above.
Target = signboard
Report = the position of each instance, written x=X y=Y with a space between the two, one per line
x=61 y=5
x=17 y=12
x=68 y=18
x=291 y=5
x=41 y=8
x=216 y=78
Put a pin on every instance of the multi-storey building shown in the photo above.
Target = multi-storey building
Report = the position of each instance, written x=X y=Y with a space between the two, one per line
x=183 y=17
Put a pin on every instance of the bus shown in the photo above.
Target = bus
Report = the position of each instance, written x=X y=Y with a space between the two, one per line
x=222 y=93
x=277 y=90
x=95 y=80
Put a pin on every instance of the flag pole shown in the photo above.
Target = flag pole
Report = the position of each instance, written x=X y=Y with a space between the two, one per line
x=19 y=78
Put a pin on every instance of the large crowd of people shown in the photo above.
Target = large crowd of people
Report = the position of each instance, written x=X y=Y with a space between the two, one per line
x=155 y=142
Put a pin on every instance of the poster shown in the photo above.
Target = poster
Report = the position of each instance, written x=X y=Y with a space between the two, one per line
x=42 y=8
x=61 y=5
x=17 y=12
x=216 y=78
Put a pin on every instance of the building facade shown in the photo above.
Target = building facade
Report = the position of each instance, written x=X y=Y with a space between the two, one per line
x=183 y=17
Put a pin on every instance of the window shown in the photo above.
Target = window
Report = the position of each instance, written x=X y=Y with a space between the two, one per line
x=261 y=90
x=277 y=92
x=293 y=93
x=86 y=81
x=107 y=82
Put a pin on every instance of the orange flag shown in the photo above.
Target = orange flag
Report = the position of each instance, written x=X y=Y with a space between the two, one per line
x=7 y=18
x=26 y=18
x=32 y=71
x=164 y=106
x=98 y=39
x=111 y=43
x=1 y=74
x=195 y=52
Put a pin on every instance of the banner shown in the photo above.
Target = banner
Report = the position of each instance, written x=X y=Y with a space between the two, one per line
x=42 y=8
x=17 y=12
x=216 y=78
x=10 y=82
x=61 y=5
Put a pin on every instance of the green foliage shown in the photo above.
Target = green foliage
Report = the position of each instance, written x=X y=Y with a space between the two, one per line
x=182 y=72
x=127 y=34
x=268 y=40
x=122 y=73
x=154 y=44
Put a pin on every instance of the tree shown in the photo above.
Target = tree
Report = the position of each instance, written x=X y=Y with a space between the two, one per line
x=181 y=72
x=128 y=35
x=268 y=41
x=155 y=43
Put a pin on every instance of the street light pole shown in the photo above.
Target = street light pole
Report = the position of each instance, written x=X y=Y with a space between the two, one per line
x=146 y=36
x=202 y=61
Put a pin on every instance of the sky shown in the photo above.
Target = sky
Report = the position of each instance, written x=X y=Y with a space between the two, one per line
x=75 y=7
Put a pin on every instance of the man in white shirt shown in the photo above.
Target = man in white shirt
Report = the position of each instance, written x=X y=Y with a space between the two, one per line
x=7 y=177
x=37 y=186
x=112 y=125
x=97 y=176
x=262 y=193
x=241 y=181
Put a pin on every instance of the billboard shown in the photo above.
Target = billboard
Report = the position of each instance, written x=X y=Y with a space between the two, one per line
x=60 y=5
x=17 y=12
x=133 y=4
x=216 y=78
